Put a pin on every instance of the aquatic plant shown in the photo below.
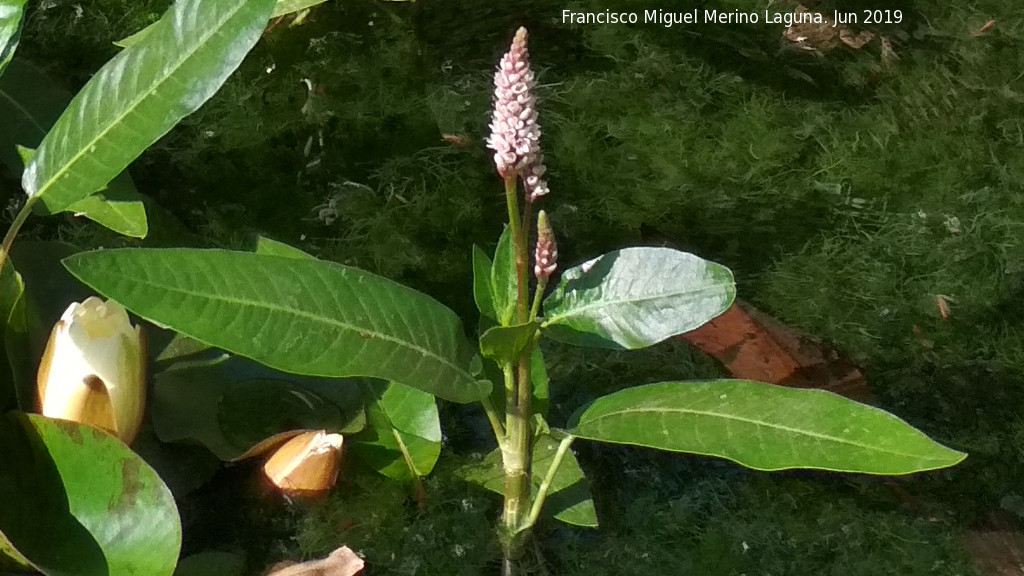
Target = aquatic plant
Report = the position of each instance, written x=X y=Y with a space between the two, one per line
x=378 y=353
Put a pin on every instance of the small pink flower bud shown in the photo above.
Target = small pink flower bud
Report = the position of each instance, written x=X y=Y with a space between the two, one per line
x=545 y=256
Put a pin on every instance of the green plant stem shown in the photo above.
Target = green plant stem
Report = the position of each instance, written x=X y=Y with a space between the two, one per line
x=12 y=231
x=494 y=419
x=512 y=203
x=517 y=450
x=525 y=234
x=510 y=397
x=549 y=477
x=538 y=295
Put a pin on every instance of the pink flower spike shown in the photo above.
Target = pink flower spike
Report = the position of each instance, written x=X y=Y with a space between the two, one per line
x=545 y=255
x=515 y=134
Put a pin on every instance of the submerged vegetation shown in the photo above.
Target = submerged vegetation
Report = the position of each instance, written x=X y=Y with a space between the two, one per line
x=871 y=201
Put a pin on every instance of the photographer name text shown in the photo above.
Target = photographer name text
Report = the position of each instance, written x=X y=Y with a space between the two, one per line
x=696 y=16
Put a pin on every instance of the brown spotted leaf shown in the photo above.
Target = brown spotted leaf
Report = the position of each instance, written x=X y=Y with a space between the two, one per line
x=78 y=502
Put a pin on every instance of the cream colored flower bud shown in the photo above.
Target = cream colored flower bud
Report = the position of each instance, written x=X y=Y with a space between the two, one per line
x=306 y=465
x=93 y=369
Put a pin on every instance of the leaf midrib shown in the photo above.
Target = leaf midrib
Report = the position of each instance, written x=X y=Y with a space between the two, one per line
x=782 y=427
x=142 y=97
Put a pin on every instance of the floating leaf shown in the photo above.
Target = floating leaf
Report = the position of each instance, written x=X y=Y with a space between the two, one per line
x=763 y=427
x=78 y=502
x=636 y=297
x=140 y=94
x=304 y=316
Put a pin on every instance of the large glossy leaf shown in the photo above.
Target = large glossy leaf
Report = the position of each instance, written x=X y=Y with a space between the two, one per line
x=11 y=12
x=568 y=497
x=636 y=297
x=140 y=94
x=78 y=502
x=297 y=315
x=404 y=438
x=764 y=427
x=30 y=102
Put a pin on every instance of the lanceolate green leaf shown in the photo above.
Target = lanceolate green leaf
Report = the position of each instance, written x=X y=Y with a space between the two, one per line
x=764 y=427
x=30 y=102
x=11 y=12
x=141 y=94
x=282 y=8
x=636 y=297
x=503 y=279
x=297 y=315
x=78 y=502
x=482 y=283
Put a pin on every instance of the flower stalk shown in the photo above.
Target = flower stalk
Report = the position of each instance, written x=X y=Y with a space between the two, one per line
x=545 y=260
x=515 y=140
